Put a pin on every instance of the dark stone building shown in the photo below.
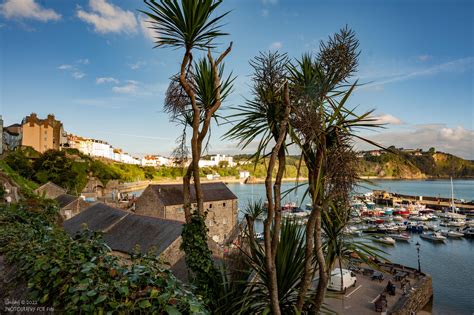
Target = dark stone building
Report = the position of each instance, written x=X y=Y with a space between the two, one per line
x=166 y=202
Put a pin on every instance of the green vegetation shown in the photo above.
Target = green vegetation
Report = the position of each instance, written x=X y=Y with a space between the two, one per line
x=424 y=164
x=81 y=275
x=25 y=184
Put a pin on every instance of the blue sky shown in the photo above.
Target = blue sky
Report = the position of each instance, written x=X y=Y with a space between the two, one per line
x=92 y=64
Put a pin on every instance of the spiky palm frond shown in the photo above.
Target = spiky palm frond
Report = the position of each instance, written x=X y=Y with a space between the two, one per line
x=260 y=117
x=186 y=23
x=201 y=79
x=289 y=265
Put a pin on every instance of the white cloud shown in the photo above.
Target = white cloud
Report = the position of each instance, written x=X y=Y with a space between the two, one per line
x=265 y=12
x=108 y=18
x=78 y=75
x=424 y=58
x=149 y=33
x=137 y=65
x=130 y=88
x=83 y=61
x=65 y=67
x=106 y=80
x=269 y=1
x=276 y=45
x=27 y=9
x=458 y=141
x=387 y=119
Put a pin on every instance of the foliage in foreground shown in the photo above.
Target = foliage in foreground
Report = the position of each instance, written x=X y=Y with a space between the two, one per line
x=81 y=275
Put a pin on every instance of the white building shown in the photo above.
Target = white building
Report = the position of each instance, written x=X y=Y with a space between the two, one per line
x=156 y=160
x=216 y=160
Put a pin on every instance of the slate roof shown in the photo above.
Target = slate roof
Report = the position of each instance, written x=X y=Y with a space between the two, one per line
x=65 y=200
x=173 y=194
x=147 y=232
x=97 y=217
x=124 y=230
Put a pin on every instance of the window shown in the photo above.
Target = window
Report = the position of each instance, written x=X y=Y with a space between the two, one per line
x=180 y=210
x=210 y=206
x=223 y=204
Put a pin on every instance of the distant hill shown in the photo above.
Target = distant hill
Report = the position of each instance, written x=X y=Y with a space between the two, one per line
x=415 y=164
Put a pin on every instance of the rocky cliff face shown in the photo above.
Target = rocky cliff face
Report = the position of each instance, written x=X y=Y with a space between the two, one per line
x=426 y=165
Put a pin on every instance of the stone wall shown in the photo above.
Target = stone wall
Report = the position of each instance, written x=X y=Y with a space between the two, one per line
x=221 y=217
x=74 y=208
x=172 y=254
x=415 y=300
x=149 y=204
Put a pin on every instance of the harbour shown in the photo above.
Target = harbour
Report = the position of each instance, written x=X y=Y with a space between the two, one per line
x=449 y=263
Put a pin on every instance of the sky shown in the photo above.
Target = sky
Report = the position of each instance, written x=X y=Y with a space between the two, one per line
x=93 y=65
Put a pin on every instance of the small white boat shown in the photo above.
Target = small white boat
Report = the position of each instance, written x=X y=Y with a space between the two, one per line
x=400 y=237
x=398 y=218
x=418 y=218
x=452 y=234
x=434 y=236
x=384 y=240
x=456 y=223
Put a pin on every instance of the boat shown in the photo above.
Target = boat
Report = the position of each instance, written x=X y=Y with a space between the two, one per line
x=400 y=237
x=433 y=236
x=418 y=218
x=468 y=232
x=452 y=234
x=398 y=218
x=384 y=240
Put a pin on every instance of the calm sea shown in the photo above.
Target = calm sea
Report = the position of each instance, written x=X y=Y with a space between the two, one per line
x=451 y=265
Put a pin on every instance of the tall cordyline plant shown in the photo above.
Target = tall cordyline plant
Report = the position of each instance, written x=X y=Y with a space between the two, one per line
x=265 y=118
x=193 y=98
x=324 y=128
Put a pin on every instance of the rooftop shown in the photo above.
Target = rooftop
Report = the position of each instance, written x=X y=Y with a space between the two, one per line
x=123 y=231
x=172 y=194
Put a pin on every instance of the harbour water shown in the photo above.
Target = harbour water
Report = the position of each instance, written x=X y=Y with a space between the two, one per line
x=451 y=264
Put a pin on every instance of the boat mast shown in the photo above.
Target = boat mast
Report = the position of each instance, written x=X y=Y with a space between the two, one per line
x=453 y=207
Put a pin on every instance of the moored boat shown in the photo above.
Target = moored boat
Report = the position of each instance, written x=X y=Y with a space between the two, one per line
x=400 y=237
x=384 y=240
x=452 y=234
x=433 y=236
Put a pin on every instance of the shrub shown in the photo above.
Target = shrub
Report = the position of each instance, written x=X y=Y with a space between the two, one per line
x=80 y=275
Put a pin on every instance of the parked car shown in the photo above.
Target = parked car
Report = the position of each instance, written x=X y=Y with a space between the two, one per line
x=348 y=279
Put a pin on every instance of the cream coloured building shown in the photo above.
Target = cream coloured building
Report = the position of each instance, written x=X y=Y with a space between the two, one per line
x=41 y=134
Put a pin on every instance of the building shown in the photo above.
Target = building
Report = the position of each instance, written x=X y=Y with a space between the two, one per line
x=50 y=190
x=218 y=160
x=244 y=174
x=156 y=160
x=125 y=232
x=42 y=134
x=166 y=202
x=100 y=148
x=70 y=205
x=12 y=137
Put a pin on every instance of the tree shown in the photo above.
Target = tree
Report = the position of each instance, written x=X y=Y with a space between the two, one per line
x=323 y=128
x=266 y=116
x=56 y=167
x=193 y=98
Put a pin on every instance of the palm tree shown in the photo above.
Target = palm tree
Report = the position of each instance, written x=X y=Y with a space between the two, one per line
x=193 y=25
x=324 y=127
x=267 y=116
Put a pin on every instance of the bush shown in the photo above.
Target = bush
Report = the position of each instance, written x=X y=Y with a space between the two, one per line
x=80 y=275
x=20 y=163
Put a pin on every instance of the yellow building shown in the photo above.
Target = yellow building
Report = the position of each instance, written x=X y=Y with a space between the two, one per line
x=41 y=134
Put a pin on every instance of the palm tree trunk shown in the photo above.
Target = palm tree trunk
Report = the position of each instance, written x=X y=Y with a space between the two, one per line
x=323 y=275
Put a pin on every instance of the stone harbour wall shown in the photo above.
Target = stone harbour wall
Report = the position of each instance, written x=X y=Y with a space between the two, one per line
x=416 y=299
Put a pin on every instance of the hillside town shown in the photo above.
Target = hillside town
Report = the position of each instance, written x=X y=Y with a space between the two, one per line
x=50 y=134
